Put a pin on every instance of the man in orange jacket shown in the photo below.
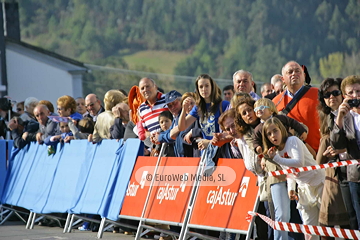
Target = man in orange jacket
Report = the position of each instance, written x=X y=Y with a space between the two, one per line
x=305 y=110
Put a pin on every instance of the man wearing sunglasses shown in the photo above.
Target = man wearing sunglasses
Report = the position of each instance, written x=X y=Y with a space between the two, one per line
x=305 y=110
x=93 y=106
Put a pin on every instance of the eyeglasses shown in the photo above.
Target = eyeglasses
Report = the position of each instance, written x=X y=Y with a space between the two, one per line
x=261 y=108
x=335 y=93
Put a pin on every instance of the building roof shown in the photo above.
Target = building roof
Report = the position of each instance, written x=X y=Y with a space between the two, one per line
x=46 y=52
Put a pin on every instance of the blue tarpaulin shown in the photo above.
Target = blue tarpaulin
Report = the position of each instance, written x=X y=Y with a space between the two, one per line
x=80 y=177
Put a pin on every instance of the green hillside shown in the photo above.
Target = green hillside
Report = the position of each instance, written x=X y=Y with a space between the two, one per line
x=161 y=61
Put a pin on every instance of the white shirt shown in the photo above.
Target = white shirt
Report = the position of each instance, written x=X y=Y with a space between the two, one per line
x=295 y=154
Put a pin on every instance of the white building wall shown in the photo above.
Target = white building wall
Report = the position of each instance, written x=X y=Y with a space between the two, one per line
x=31 y=75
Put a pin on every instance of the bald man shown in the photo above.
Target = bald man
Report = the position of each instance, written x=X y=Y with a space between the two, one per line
x=93 y=106
x=305 y=110
x=46 y=126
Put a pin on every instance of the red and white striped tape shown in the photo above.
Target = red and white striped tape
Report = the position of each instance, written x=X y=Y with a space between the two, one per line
x=309 y=229
x=315 y=167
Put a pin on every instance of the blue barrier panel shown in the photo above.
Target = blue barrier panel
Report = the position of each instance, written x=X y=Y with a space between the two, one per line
x=100 y=175
x=126 y=160
x=80 y=177
x=3 y=153
x=75 y=161
x=18 y=172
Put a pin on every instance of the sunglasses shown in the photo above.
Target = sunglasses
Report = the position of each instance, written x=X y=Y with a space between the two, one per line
x=261 y=108
x=19 y=109
x=335 y=93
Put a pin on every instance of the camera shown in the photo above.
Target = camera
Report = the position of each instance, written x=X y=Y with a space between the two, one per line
x=354 y=102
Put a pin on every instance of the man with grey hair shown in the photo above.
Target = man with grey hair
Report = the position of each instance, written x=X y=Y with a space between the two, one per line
x=243 y=82
x=46 y=126
x=30 y=104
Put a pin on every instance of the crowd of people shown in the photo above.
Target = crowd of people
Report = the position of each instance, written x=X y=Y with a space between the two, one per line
x=291 y=125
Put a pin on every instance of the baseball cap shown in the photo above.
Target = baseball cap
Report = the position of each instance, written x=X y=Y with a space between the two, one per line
x=171 y=96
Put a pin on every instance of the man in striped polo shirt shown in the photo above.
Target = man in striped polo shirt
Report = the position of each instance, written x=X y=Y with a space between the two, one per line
x=154 y=104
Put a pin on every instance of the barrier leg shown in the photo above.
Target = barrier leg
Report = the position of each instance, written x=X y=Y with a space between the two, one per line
x=184 y=227
x=67 y=222
x=141 y=222
x=32 y=221
x=71 y=222
x=7 y=217
x=28 y=223
x=101 y=228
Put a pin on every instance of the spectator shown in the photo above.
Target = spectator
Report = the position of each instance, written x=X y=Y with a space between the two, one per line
x=50 y=107
x=22 y=132
x=165 y=120
x=244 y=82
x=266 y=89
x=106 y=119
x=346 y=134
x=290 y=151
x=228 y=92
x=86 y=127
x=332 y=210
x=80 y=106
x=207 y=110
x=154 y=104
x=20 y=107
x=93 y=106
x=265 y=109
x=121 y=113
x=30 y=104
x=5 y=110
x=67 y=108
x=279 y=204
x=304 y=110
x=276 y=78
x=279 y=87
x=63 y=137
x=46 y=126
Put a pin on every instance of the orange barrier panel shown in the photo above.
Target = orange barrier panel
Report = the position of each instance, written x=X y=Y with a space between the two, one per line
x=137 y=190
x=226 y=206
x=172 y=187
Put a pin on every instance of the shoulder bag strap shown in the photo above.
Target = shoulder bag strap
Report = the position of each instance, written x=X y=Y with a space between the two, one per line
x=296 y=98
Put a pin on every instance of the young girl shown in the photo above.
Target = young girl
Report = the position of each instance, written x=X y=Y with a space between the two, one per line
x=291 y=152
x=65 y=132
x=207 y=110
x=265 y=109
x=165 y=121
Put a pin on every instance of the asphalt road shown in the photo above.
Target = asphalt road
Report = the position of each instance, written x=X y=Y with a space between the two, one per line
x=13 y=230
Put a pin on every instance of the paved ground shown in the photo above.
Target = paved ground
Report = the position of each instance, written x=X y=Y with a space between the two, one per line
x=16 y=231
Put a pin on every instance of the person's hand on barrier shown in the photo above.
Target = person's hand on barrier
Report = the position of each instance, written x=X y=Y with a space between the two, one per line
x=146 y=152
x=155 y=138
x=188 y=136
x=293 y=195
x=90 y=138
x=203 y=143
x=67 y=139
x=25 y=135
x=39 y=138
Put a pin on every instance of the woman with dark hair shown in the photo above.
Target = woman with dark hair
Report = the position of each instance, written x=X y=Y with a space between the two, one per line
x=332 y=210
x=207 y=110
